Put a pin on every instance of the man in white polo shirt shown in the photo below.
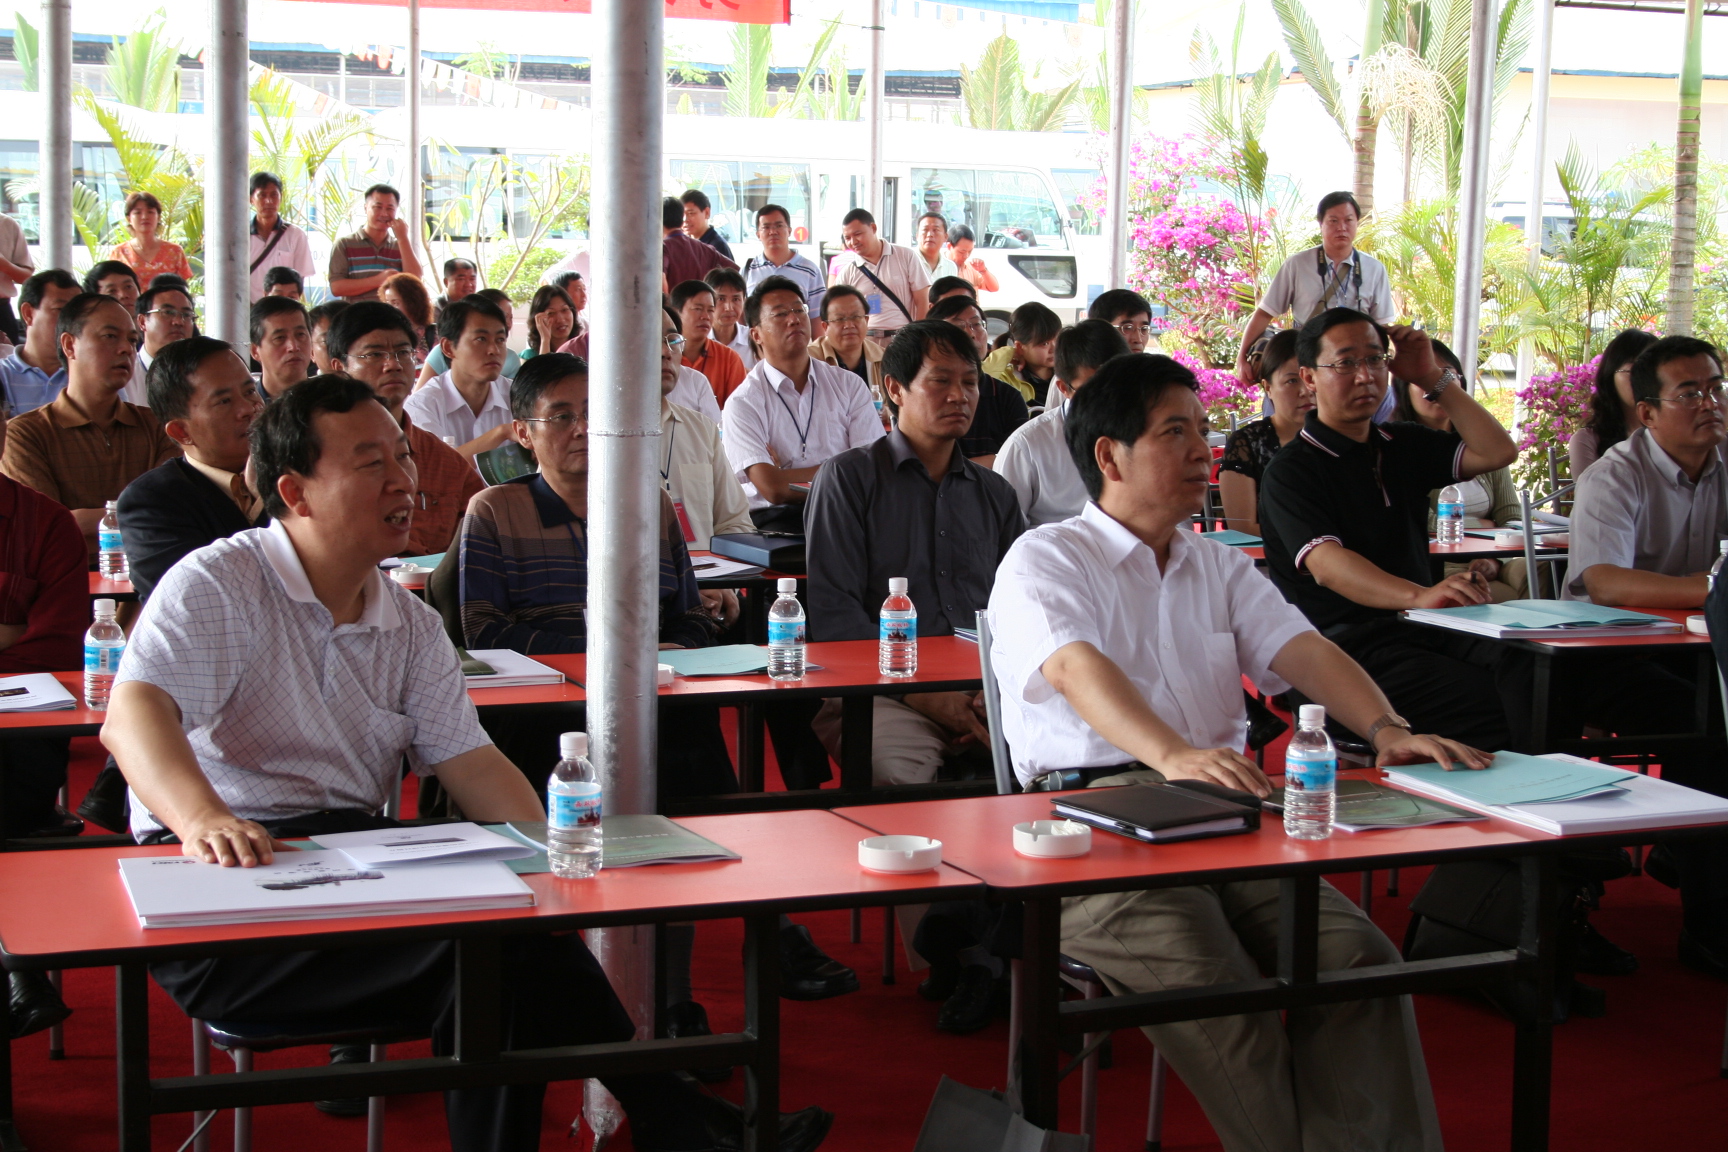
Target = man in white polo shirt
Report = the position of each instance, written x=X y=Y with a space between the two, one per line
x=1035 y=457
x=893 y=279
x=468 y=406
x=1121 y=640
x=792 y=412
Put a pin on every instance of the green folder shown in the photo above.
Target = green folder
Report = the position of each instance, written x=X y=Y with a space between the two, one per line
x=1555 y=614
x=1514 y=778
x=1233 y=538
x=722 y=660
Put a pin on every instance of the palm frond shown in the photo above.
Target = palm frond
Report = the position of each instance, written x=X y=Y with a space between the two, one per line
x=1302 y=39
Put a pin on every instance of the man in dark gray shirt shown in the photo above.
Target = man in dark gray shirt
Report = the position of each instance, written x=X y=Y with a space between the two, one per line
x=911 y=505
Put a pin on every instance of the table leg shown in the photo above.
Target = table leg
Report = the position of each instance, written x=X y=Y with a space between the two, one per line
x=762 y=1020
x=1533 y=1045
x=1706 y=681
x=9 y=1138
x=1040 y=1011
x=856 y=737
x=888 y=945
x=1366 y=903
x=751 y=768
x=479 y=981
x=1299 y=929
x=1540 y=701
x=132 y=1013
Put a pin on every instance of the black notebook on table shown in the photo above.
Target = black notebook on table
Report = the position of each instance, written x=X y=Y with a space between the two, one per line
x=1164 y=813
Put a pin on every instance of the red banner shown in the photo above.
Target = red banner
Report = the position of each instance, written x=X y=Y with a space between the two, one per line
x=733 y=11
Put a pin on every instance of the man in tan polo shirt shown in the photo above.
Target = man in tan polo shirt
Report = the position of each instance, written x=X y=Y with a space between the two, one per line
x=88 y=444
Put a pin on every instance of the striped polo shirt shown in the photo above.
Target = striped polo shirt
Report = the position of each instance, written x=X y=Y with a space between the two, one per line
x=355 y=256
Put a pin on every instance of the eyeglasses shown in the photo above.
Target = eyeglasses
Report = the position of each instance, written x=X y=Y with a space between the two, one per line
x=1693 y=397
x=373 y=356
x=1131 y=329
x=674 y=341
x=173 y=314
x=859 y=318
x=773 y=226
x=972 y=325
x=780 y=314
x=562 y=422
x=1374 y=363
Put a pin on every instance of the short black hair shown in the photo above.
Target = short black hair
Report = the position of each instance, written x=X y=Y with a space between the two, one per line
x=496 y=296
x=769 y=210
x=361 y=317
x=283 y=437
x=1118 y=304
x=1092 y=343
x=456 y=262
x=539 y=373
x=948 y=309
x=103 y=269
x=1646 y=384
x=683 y=292
x=753 y=302
x=282 y=274
x=566 y=278
x=37 y=286
x=262 y=180
x=378 y=189
x=916 y=343
x=943 y=285
x=935 y=216
x=1115 y=405
x=147 y=298
x=671 y=212
x=1308 y=337
x=960 y=232
x=842 y=292
x=697 y=197
x=169 y=280
x=719 y=278
x=265 y=307
x=1279 y=351
x=858 y=216
x=1332 y=199
x=169 y=381
x=1033 y=323
x=327 y=312
x=672 y=315
x=76 y=314
x=453 y=320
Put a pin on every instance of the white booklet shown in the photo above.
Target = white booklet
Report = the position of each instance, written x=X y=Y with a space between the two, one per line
x=180 y=892
x=35 y=692
x=510 y=670
x=383 y=847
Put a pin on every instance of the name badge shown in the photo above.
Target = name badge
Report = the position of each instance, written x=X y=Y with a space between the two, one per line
x=874 y=303
x=684 y=522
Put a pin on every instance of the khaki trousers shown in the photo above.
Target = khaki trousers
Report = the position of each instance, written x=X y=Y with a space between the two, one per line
x=1343 y=1078
x=906 y=746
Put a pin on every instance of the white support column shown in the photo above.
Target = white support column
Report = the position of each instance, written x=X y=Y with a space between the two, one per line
x=55 y=156
x=1473 y=189
x=414 y=204
x=227 y=107
x=1121 y=141
x=1533 y=233
x=623 y=445
x=874 y=98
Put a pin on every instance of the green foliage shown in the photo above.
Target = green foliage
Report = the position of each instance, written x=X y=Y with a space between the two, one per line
x=517 y=270
x=24 y=48
x=316 y=192
x=1230 y=114
x=996 y=96
x=144 y=67
x=747 y=78
x=1444 y=46
x=488 y=59
x=1302 y=39
x=506 y=198
x=173 y=177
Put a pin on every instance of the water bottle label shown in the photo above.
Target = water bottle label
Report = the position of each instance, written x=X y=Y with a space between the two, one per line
x=573 y=811
x=103 y=660
x=900 y=631
x=108 y=540
x=785 y=632
x=1451 y=511
x=1310 y=775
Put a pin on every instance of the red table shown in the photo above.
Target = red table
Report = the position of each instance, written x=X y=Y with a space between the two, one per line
x=101 y=586
x=68 y=909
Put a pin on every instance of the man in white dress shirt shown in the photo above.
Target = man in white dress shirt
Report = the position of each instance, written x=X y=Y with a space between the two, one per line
x=470 y=403
x=1121 y=640
x=1035 y=457
x=792 y=412
x=729 y=327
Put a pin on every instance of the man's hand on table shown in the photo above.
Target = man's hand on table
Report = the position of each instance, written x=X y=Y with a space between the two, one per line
x=1396 y=746
x=227 y=840
x=1223 y=766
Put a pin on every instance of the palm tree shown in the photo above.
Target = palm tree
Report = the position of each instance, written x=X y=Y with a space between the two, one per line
x=144 y=67
x=996 y=95
x=1680 y=258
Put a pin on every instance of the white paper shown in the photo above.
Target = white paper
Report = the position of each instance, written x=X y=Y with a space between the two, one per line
x=511 y=670
x=177 y=891
x=42 y=693
x=385 y=847
x=710 y=567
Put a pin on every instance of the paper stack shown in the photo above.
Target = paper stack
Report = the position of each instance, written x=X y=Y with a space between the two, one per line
x=1532 y=619
x=510 y=670
x=36 y=692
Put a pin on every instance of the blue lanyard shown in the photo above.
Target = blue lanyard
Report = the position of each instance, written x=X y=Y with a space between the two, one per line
x=804 y=432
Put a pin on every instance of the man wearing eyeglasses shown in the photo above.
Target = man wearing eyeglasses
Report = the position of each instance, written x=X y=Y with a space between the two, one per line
x=774 y=230
x=374 y=343
x=165 y=314
x=1126 y=311
x=1344 y=511
x=1001 y=409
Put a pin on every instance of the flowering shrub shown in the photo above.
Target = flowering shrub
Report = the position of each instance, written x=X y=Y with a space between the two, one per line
x=1555 y=405
x=1221 y=393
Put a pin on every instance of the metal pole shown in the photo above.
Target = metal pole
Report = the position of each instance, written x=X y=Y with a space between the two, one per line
x=1533 y=231
x=1121 y=135
x=873 y=115
x=1473 y=190
x=416 y=196
x=227 y=279
x=624 y=439
x=55 y=72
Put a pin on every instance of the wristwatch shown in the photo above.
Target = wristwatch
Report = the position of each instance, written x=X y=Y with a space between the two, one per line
x=1389 y=720
x=1448 y=377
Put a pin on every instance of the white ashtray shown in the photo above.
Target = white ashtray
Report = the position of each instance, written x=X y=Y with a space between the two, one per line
x=663 y=675
x=1508 y=539
x=1052 y=838
x=409 y=573
x=1698 y=624
x=899 y=853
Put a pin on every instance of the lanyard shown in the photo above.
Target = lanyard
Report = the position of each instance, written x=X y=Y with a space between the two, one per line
x=1326 y=284
x=804 y=432
x=666 y=472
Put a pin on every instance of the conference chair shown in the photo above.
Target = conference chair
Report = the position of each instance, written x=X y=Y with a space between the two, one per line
x=1079 y=976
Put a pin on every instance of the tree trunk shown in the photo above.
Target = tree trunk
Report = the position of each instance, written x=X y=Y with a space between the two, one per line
x=1680 y=290
x=1367 y=123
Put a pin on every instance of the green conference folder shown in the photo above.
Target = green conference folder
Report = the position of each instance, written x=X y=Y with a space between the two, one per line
x=1515 y=778
x=1365 y=804
x=629 y=841
x=1535 y=617
x=1233 y=538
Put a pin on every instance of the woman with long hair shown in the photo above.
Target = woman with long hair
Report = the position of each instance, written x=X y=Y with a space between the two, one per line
x=146 y=253
x=1251 y=447
x=551 y=320
x=404 y=292
x=1025 y=356
x=1611 y=401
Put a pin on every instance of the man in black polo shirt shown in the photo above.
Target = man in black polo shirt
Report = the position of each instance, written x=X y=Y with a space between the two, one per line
x=1344 y=510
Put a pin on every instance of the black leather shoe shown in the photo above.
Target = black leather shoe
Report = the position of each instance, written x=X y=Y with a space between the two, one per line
x=346 y=1054
x=943 y=979
x=807 y=972
x=105 y=805
x=1709 y=958
x=973 y=1004
x=688 y=1018
x=801 y=1131
x=1599 y=956
x=1660 y=866
x=35 y=1006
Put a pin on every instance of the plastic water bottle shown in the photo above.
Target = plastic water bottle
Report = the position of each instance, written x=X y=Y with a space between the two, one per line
x=110 y=556
x=1310 y=778
x=897 y=649
x=573 y=836
x=1721 y=555
x=1449 y=517
x=104 y=644
x=786 y=634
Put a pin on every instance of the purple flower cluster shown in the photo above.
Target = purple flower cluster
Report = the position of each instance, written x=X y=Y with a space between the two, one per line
x=1221 y=393
x=1555 y=405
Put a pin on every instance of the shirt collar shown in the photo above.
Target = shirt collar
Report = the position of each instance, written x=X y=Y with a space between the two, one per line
x=1656 y=458
x=1333 y=442
x=901 y=450
x=379 y=612
x=67 y=413
x=453 y=401
x=553 y=511
x=781 y=382
x=1114 y=537
x=281 y=225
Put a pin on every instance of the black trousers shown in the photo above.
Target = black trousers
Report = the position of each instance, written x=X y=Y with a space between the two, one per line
x=553 y=993
x=32 y=772
x=1449 y=683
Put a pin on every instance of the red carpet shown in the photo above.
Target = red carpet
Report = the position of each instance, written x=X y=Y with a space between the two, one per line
x=1643 y=1077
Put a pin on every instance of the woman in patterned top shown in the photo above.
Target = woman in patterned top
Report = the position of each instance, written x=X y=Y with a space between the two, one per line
x=145 y=253
x=1251 y=447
